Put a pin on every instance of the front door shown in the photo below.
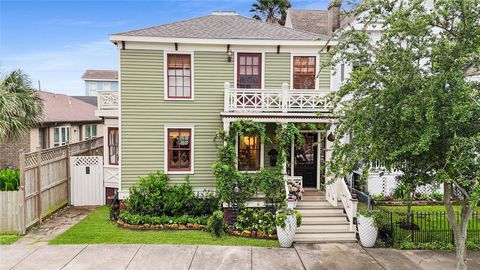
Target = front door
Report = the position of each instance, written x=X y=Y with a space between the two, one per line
x=306 y=160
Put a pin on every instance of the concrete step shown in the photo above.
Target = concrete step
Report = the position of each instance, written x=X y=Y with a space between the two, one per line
x=320 y=212
x=324 y=219
x=313 y=198
x=313 y=193
x=325 y=237
x=314 y=228
x=313 y=204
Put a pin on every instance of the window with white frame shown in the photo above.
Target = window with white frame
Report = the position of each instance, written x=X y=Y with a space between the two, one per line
x=107 y=86
x=179 y=149
x=179 y=76
x=90 y=131
x=113 y=146
x=249 y=152
x=61 y=135
x=92 y=88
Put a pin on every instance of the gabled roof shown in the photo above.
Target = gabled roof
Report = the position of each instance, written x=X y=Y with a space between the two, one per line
x=91 y=74
x=226 y=25
x=66 y=109
x=311 y=20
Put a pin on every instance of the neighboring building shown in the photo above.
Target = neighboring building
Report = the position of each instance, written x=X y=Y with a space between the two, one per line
x=100 y=80
x=65 y=119
x=181 y=82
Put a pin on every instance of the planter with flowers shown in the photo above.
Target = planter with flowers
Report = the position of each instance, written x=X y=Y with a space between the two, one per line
x=295 y=193
x=287 y=222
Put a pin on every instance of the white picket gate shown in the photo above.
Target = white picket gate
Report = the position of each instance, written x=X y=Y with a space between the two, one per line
x=87 y=180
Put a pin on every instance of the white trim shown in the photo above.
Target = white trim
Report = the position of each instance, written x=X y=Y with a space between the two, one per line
x=165 y=148
x=262 y=67
x=317 y=67
x=319 y=156
x=122 y=194
x=165 y=74
x=100 y=80
x=106 y=154
x=116 y=38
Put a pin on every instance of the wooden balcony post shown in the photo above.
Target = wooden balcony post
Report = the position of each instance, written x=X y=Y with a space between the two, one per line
x=284 y=97
x=226 y=97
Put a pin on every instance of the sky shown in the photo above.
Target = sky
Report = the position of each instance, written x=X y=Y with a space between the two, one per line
x=56 y=41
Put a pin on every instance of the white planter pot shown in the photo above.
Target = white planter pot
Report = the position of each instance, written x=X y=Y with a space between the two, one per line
x=367 y=230
x=292 y=204
x=287 y=236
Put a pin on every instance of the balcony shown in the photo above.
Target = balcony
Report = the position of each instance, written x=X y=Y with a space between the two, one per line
x=282 y=100
x=107 y=104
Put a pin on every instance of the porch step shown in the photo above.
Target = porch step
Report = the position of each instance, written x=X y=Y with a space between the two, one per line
x=320 y=212
x=325 y=237
x=313 y=193
x=313 y=198
x=320 y=228
x=312 y=204
x=323 y=219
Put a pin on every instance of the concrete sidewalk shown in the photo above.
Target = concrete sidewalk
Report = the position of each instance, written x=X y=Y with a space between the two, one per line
x=305 y=256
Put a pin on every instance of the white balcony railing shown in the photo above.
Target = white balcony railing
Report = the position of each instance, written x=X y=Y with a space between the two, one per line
x=107 y=100
x=276 y=100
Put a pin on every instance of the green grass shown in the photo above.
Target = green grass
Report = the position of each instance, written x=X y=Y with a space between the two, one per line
x=422 y=208
x=7 y=239
x=98 y=229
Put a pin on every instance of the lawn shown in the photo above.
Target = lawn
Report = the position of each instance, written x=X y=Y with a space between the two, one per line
x=423 y=208
x=7 y=239
x=98 y=229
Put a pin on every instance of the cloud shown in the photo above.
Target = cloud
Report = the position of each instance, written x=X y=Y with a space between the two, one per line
x=60 y=70
x=80 y=23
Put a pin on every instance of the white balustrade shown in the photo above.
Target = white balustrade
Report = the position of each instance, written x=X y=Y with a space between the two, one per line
x=107 y=100
x=349 y=204
x=276 y=100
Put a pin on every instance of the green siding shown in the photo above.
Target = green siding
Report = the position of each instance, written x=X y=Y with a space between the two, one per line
x=277 y=69
x=324 y=75
x=144 y=112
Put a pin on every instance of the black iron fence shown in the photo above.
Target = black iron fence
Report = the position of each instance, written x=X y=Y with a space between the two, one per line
x=423 y=227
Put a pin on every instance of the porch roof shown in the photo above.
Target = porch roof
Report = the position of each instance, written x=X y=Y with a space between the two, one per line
x=279 y=117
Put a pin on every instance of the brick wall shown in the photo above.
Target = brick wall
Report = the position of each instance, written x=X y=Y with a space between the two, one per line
x=9 y=151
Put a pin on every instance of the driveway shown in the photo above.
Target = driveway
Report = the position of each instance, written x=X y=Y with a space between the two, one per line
x=305 y=256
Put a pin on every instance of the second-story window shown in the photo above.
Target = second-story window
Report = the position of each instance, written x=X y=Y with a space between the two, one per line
x=179 y=75
x=90 y=131
x=92 y=88
x=304 y=72
x=107 y=86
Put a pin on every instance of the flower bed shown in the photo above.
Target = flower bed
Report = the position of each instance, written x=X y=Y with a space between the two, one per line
x=146 y=222
x=250 y=234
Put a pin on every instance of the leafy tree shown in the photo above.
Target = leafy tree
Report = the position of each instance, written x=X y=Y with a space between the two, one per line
x=272 y=11
x=409 y=101
x=20 y=106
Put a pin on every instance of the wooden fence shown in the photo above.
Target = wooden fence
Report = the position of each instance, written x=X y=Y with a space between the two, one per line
x=44 y=184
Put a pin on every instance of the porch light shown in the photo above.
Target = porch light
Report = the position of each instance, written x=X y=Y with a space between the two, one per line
x=236 y=189
x=229 y=53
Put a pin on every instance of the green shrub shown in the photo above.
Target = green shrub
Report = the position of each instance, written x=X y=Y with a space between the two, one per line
x=153 y=196
x=282 y=215
x=138 y=219
x=9 y=179
x=216 y=225
x=298 y=216
x=271 y=182
x=431 y=246
x=260 y=220
x=437 y=196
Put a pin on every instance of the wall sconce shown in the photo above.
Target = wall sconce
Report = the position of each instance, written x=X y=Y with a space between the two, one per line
x=229 y=53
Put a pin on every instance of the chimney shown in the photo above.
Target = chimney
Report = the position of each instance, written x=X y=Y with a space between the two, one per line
x=333 y=16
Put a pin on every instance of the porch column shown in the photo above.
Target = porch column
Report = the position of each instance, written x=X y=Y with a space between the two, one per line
x=284 y=97
x=292 y=158
x=284 y=165
x=226 y=129
x=226 y=97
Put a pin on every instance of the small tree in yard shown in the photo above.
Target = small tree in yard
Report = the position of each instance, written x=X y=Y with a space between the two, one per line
x=409 y=101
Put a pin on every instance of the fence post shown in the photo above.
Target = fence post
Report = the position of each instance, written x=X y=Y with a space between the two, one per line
x=22 y=209
x=38 y=182
x=89 y=142
x=67 y=152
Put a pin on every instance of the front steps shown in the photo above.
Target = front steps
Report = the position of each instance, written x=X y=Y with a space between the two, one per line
x=322 y=222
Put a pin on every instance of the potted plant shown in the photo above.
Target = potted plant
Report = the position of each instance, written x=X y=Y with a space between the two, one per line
x=287 y=221
x=368 y=223
x=295 y=193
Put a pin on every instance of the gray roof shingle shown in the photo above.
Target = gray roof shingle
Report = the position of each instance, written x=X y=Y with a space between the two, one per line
x=224 y=27
x=91 y=74
x=311 y=20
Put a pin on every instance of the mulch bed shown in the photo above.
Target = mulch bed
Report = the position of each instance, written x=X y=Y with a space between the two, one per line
x=195 y=227
x=251 y=234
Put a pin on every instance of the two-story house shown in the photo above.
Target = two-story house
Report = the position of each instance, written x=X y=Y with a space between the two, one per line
x=181 y=82
x=100 y=80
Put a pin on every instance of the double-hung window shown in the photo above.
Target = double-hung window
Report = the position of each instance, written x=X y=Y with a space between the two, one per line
x=113 y=146
x=304 y=72
x=92 y=89
x=107 y=86
x=90 y=131
x=179 y=149
x=249 y=153
x=179 y=76
x=61 y=135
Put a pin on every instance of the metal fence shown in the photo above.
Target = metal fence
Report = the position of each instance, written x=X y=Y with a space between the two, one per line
x=423 y=227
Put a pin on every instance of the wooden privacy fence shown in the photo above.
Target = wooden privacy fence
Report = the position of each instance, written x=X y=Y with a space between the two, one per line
x=44 y=184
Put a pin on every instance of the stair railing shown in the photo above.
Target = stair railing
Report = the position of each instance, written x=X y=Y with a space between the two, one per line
x=349 y=203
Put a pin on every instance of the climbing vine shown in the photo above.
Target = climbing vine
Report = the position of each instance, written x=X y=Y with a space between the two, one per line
x=236 y=188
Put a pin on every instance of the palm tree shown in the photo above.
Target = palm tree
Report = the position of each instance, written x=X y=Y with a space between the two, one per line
x=272 y=11
x=21 y=107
